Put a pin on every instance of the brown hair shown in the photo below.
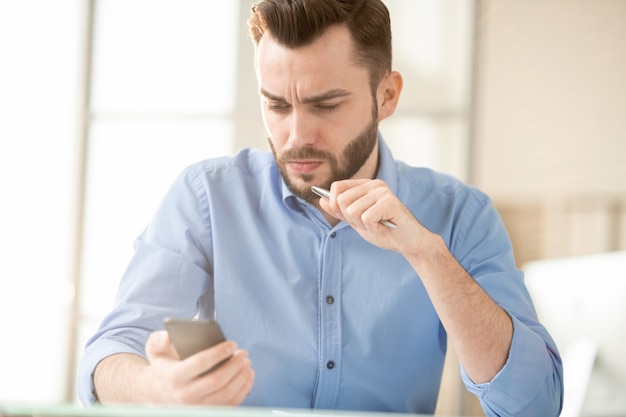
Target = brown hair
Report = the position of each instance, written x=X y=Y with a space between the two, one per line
x=296 y=23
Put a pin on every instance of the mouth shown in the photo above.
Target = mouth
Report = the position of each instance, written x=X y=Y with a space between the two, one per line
x=304 y=166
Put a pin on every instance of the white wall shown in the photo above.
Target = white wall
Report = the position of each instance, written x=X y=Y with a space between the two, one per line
x=551 y=98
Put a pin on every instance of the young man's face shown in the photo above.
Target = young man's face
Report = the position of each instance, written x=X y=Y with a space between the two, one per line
x=318 y=110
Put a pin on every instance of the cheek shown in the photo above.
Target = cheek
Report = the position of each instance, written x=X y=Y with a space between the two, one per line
x=273 y=126
x=277 y=138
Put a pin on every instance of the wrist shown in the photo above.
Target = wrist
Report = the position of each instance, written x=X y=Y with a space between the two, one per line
x=429 y=249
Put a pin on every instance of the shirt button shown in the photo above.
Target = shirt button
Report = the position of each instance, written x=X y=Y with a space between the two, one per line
x=330 y=299
x=330 y=364
x=333 y=234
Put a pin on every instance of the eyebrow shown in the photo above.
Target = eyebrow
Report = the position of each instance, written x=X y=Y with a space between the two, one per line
x=325 y=96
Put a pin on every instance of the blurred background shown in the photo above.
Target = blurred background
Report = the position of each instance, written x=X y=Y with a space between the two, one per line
x=103 y=103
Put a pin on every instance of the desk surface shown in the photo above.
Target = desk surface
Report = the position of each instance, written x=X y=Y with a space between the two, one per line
x=24 y=410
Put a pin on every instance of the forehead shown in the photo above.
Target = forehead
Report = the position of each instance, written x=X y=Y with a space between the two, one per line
x=328 y=60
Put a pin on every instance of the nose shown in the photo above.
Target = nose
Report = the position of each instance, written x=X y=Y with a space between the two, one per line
x=301 y=130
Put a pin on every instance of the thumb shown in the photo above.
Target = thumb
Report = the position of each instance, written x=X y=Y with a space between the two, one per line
x=159 y=345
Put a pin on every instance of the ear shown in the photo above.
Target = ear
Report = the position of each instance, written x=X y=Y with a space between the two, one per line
x=388 y=94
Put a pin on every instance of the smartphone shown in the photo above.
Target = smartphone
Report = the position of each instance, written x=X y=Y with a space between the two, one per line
x=191 y=336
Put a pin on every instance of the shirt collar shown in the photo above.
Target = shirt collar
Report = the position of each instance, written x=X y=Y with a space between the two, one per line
x=387 y=168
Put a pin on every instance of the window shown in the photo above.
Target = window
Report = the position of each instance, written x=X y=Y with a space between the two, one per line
x=39 y=62
x=163 y=97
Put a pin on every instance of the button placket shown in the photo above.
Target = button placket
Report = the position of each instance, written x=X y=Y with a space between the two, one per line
x=330 y=322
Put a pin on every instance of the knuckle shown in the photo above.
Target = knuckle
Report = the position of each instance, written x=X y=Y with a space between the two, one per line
x=367 y=220
x=341 y=200
x=378 y=182
x=351 y=211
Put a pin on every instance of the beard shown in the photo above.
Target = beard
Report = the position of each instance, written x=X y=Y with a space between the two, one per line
x=343 y=166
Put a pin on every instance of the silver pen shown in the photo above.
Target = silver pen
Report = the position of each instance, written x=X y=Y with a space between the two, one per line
x=326 y=194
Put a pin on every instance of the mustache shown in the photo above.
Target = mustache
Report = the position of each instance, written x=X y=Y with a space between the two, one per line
x=306 y=153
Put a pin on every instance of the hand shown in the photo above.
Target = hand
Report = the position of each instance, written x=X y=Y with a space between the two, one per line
x=364 y=203
x=185 y=382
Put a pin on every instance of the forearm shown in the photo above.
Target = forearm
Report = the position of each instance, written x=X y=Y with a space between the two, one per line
x=480 y=331
x=123 y=378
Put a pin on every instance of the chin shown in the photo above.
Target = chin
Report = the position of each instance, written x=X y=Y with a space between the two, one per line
x=302 y=187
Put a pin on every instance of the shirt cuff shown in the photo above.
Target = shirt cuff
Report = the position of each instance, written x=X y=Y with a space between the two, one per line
x=91 y=358
x=521 y=378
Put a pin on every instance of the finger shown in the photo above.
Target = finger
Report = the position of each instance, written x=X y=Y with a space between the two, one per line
x=205 y=360
x=342 y=194
x=222 y=385
x=249 y=377
x=236 y=390
x=372 y=219
x=361 y=203
x=159 y=345
x=355 y=202
x=378 y=205
x=354 y=207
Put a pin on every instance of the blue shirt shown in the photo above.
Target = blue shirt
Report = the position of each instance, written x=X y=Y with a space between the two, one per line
x=329 y=320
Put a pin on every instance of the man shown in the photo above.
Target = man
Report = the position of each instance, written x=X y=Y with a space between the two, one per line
x=330 y=307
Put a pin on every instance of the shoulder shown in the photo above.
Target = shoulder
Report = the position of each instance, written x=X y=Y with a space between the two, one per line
x=245 y=162
x=447 y=205
x=425 y=183
x=248 y=166
x=242 y=172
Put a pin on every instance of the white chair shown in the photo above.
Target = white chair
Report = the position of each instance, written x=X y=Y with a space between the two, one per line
x=582 y=302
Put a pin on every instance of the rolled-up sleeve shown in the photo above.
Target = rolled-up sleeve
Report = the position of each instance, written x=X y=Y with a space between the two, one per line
x=167 y=276
x=530 y=382
x=93 y=354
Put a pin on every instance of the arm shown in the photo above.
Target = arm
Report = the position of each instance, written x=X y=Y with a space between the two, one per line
x=169 y=275
x=480 y=331
x=163 y=379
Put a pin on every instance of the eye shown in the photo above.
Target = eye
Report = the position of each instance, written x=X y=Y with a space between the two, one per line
x=278 y=107
x=327 y=107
